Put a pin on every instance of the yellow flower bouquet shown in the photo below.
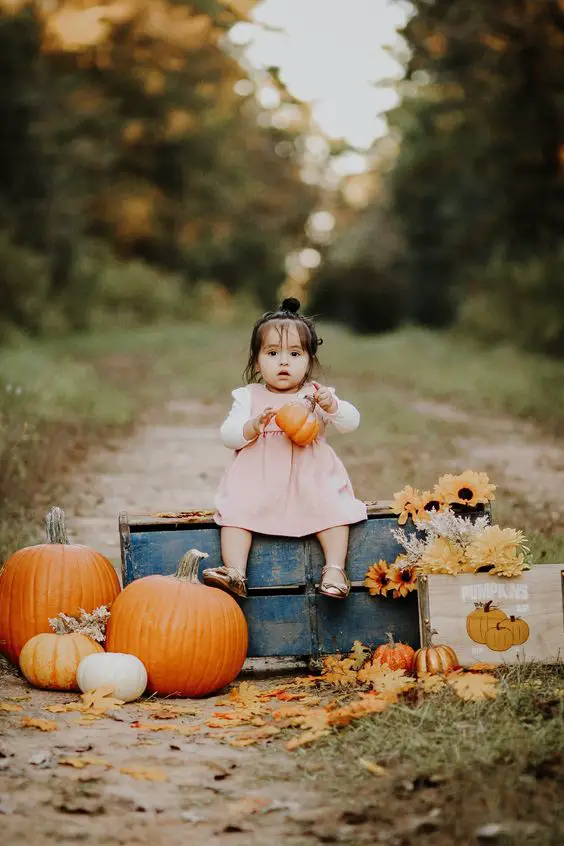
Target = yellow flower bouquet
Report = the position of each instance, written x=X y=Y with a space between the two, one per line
x=448 y=539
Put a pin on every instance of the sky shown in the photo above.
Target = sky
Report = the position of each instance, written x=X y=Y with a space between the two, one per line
x=330 y=54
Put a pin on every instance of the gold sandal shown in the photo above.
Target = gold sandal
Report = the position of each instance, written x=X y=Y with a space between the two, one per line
x=227 y=578
x=331 y=589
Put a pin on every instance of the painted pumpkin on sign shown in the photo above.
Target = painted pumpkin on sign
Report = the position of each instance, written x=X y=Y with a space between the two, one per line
x=483 y=618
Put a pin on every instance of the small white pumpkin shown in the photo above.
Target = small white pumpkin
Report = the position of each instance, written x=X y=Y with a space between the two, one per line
x=125 y=672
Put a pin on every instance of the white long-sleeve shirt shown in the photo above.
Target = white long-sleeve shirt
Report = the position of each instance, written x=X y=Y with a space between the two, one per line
x=345 y=419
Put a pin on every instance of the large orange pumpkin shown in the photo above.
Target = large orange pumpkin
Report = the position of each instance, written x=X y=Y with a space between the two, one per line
x=50 y=661
x=397 y=656
x=298 y=422
x=484 y=617
x=191 y=638
x=40 y=581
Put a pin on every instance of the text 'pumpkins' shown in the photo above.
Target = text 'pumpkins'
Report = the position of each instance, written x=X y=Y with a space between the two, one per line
x=191 y=638
x=40 y=581
x=298 y=422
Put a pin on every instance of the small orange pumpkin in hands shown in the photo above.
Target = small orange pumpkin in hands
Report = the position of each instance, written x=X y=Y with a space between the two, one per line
x=298 y=422
x=397 y=656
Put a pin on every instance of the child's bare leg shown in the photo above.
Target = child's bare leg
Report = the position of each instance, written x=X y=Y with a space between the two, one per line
x=235 y=548
x=334 y=543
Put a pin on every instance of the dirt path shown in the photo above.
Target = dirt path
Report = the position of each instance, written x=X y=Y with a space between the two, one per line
x=212 y=791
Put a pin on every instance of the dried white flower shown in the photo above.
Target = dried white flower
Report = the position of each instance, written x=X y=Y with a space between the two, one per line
x=92 y=624
x=439 y=524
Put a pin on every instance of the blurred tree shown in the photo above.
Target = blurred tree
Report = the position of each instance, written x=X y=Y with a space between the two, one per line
x=480 y=169
x=126 y=124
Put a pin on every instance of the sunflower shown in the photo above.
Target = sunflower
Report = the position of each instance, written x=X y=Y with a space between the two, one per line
x=468 y=488
x=501 y=549
x=402 y=580
x=429 y=502
x=406 y=504
x=442 y=556
x=377 y=578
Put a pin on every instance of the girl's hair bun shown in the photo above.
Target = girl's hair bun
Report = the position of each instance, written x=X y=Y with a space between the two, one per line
x=290 y=304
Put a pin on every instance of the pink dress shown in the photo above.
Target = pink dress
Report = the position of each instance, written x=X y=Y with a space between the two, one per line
x=273 y=486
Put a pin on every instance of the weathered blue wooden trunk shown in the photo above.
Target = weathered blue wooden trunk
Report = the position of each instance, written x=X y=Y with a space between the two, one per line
x=285 y=613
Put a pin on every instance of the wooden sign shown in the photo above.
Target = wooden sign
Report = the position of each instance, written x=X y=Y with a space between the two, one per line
x=495 y=619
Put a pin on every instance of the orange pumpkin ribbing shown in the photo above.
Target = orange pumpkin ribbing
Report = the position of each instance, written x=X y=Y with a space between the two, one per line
x=191 y=638
x=50 y=661
x=40 y=581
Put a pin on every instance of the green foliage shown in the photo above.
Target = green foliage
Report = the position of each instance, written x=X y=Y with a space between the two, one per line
x=519 y=300
x=475 y=189
x=140 y=142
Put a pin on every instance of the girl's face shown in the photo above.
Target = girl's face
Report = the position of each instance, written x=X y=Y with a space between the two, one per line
x=282 y=361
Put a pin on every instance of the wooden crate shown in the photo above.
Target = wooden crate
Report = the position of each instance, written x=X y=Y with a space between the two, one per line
x=285 y=614
x=537 y=597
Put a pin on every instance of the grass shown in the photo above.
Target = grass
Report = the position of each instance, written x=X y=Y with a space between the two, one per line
x=523 y=726
x=496 y=762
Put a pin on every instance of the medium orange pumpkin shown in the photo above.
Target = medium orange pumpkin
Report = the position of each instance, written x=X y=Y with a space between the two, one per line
x=397 y=656
x=40 y=581
x=484 y=617
x=298 y=422
x=436 y=658
x=191 y=638
x=50 y=661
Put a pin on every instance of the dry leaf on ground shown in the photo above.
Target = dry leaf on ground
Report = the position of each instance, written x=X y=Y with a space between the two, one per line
x=99 y=700
x=482 y=667
x=42 y=725
x=384 y=680
x=359 y=654
x=61 y=708
x=249 y=738
x=357 y=709
x=337 y=670
x=472 y=686
x=180 y=729
x=431 y=682
x=9 y=707
x=296 y=716
x=86 y=761
x=145 y=773
x=372 y=767
x=306 y=738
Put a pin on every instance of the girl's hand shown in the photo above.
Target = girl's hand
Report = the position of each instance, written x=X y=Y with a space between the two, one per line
x=256 y=425
x=325 y=399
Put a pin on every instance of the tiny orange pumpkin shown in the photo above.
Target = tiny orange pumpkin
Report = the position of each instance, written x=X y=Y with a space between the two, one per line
x=298 y=422
x=397 y=656
x=435 y=658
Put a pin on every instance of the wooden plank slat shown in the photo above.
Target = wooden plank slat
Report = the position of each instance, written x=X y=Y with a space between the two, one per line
x=365 y=618
x=205 y=515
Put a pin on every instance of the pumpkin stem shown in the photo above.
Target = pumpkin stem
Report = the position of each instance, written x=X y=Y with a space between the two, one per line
x=188 y=566
x=390 y=636
x=55 y=526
